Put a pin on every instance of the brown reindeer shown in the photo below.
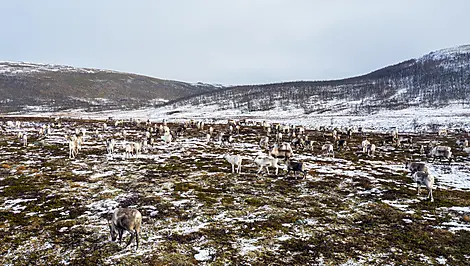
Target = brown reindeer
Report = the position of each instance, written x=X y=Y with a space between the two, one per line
x=125 y=219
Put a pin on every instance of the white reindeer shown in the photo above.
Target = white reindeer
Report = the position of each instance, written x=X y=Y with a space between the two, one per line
x=110 y=146
x=424 y=178
x=328 y=150
x=364 y=144
x=137 y=148
x=442 y=132
x=25 y=139
x=467 y=150
x=234 y=160
x=74 y=144
x=265 y=161
x=166 y=130
x=129 y=150
x=371 y=150
x=167 y=138
x=395 y=133
x=441 y=152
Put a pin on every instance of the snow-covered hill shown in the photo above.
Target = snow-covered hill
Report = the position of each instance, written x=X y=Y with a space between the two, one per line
x=21 y=68
x=431 y=90
x=438 y=79
x=26 y=86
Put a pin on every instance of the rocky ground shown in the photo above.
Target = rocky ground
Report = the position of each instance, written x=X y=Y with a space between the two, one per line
x=351 y=209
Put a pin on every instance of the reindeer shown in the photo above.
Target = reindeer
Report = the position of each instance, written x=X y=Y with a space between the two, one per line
x=264 y=143
x=296 y=167
x=285 y=152
x=125 y=219
x=341 y=144
x=234 y=160
x=416 y=167
x=426 y=179
x=226 y=139
x=371 y=150
x=328 y=150
x=24 y=140
x=364 y=144
x=265 y=161
x=167 y=138
x=129 y=150
x=110 y=145
x=441 y=152
x=74 y=145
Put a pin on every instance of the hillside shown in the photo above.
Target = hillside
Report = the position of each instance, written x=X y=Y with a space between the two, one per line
x=57 y=87
x=434 y=80
x=437 y=79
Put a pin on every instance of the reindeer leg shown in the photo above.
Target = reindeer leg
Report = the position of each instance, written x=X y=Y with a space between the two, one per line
x=120 y=236
x=137 y=239
x=130 y=240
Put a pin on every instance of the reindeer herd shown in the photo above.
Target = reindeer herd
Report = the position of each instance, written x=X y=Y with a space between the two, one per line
x=278 y=146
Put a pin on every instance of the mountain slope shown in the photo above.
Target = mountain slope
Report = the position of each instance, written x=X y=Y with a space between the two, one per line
x=23 y=84
x=436 y=79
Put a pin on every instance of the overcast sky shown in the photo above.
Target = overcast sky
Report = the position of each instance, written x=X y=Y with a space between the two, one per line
x=231 y=42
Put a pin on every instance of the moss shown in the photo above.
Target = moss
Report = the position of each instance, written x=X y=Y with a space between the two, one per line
x=207 y=198
x=254 y=202
x=308 y=250
x=171 y=258
x=228 y=201
x=186 y=186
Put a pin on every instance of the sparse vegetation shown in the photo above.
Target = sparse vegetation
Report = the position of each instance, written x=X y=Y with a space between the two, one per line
x=53 y=210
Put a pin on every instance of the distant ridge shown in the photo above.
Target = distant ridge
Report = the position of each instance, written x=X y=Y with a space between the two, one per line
x=60 y=87
x=436 y=79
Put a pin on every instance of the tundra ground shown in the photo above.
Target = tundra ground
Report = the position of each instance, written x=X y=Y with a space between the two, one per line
x=350 y=209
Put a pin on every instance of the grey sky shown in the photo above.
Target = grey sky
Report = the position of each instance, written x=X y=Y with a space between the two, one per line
x=231 y=42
